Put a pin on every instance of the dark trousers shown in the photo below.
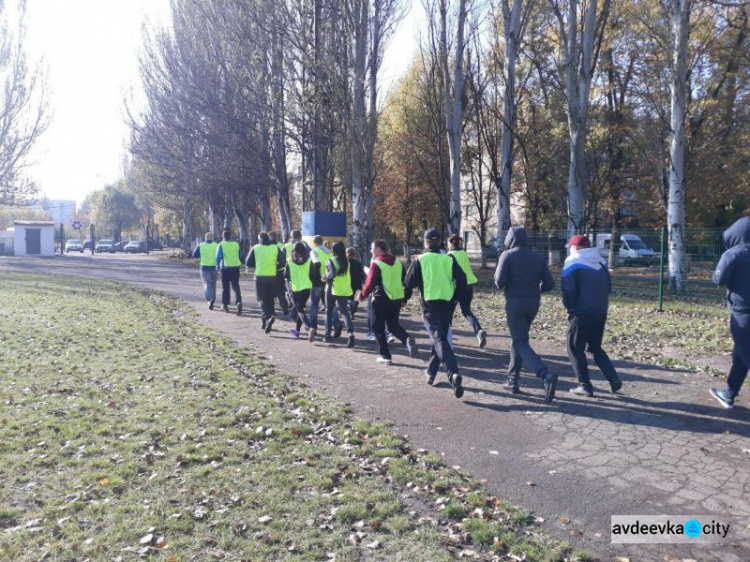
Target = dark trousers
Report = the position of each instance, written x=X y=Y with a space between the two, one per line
x=464 y=301
x=300 y=302
x=521 y=314
x=317 y=294
x=230 y=277
x=281 y=292
x=437 y=317
x=342 y=303
x=386 y=312
x=585 y=333
x=740 y=326
x=266 y=289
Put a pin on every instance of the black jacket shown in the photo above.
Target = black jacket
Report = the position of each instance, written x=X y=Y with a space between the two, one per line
x=521 y=272
x=279 y=264
x=358 y=275
x=733 y=270
x=586 y=283
x=413 y=280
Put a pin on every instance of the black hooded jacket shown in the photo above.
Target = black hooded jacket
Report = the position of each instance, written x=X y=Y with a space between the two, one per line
x=521 y=272
x=733 y=271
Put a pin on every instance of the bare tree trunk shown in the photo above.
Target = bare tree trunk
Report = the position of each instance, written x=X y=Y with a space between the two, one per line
x=279 y=131
x=680 y=12
x=187 y=225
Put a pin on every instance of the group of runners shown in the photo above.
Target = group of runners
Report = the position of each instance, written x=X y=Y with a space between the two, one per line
x=305 y=279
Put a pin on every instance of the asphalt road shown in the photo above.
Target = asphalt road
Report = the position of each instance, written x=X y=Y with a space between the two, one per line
x=664 y=447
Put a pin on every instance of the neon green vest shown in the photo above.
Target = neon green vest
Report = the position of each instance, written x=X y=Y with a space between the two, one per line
x=208 y=253
x=437 y=276
x=230 y=251
x=463 y=261
x=266 y=257
x=300 y=275
x=288 y=247
x=342 y=284
x=392 y=279
x=322 y=258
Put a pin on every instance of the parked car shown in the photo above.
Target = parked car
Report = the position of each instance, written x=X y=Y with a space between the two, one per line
x=87 y=244
x=74 y=246
x=632 y=250
x=154 y=245
x=120 y=246
x=135 y=247
x=105 y=245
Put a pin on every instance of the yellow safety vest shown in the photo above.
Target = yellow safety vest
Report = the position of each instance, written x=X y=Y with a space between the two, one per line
x=392 y=279
x=300 y=275
x=266 y=257
x=437 y=276
x=208 y=253
x=342 y=284
x=463 y=260
x=230 y=252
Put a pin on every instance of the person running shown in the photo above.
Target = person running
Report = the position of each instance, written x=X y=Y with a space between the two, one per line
x=586 y=285
x=733 y=272
x=300 y=273
x=523 y=275
x=438 y=276
x=229 y=258
x=339 y=290
x=358 y=278
x=280 y=290
x=206 y=251
x=295 y=237
x=385 y=282
x=265 y=258
x=319 y=256
x=467 y=295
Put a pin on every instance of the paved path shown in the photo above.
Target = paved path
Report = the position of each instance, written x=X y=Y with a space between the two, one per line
x=663 y=448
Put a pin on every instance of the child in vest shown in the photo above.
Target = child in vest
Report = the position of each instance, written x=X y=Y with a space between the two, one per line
x=300 y=275
x=338 y=291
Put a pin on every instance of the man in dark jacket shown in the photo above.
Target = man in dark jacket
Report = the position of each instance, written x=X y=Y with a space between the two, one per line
x=523 y=275
x=385 y=282
x=733 y=272
x=438 y=276
x=266 y=259
x=586 y=286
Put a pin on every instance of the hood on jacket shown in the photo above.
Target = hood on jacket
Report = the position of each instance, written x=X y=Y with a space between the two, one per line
x=299 y=259
x=516 y=237
x=738 y=233
x=587 y=257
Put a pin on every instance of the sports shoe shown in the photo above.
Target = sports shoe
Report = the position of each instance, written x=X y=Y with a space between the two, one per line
x=383 y=360
x=411 y=346
x=211 y=304
x=327 y=338
x=512 y=387
x=724 y=398
x=294 y=333
x=482 y=337
x=350 y=343
x=456 y=380
x=429 y=377
x=582 y=391
x=615 y=386
x=239 y=309
x=550 y=383
x=225 y=308
x=269 y=324
x=392 y=339
x=263 y=324
x=370 y=337
x=311 y=335
x=337 y=331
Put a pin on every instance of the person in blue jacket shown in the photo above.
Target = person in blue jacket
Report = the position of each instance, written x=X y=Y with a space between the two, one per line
x=733 y=272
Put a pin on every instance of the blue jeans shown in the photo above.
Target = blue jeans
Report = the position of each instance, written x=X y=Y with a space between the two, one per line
x=209 y=277
x=316 y=295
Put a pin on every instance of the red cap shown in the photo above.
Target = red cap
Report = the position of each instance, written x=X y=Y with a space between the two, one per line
x=580 y=241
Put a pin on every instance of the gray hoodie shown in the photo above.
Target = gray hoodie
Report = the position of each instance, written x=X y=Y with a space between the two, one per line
x=520 y=272
x=733 y=270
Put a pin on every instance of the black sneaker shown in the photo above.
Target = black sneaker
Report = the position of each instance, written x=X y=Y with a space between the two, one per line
x=350 y=343
x=411 y=346
x=482 y=337
x=337 y=331
x=269 y=324
x=582 y=391
x=239 y=309
x=456 y=380
x=550 y=383
x=211 y=304
x=615 y=386
x=225 y=308
x=263 y=324
x=429 y=377
x=512 y=387
x=724 y=398
x=327 y=338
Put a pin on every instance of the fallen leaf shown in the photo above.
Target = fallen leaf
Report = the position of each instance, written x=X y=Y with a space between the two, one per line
x=264 y=519
x=576 y=533
x=530 y=484
x=146 y=539
x=104 y=482
x=374 y=544
x=564 y=520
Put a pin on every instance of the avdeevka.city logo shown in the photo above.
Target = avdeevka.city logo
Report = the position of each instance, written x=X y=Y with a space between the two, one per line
x=667 y=529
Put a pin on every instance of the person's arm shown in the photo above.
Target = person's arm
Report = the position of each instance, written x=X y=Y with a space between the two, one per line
x=315 y=272
x=724 y=269
x=414 y=276
x=280 y=260
x=408 y=291
x=242 y=255
x=219 y=256
x=548 y=283
x=569 y=289
x=330 y=271
x=251 y=259
x=373 y=278
x=501 y=271
x=197 y=251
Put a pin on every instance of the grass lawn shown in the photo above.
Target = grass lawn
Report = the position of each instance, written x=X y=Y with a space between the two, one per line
x=129 y=431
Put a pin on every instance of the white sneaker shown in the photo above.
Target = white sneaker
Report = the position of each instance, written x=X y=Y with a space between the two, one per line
x=383 y=360
x=392 y=339
x=370 y=336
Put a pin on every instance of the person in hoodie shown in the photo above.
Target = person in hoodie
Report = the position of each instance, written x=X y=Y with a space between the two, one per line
x=301 y=275
x=266 y=259
x=523 y=275
x=733 y=272
x=438 y=277
x=385 y=282
x=586 y=285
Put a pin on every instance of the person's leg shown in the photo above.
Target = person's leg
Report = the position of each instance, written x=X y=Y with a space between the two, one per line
x=740 y=328
x=281 y=292
x=206 y=278
x=380 y=316
x=521 y=314
x=329 y=312
x=315 y=295
x=342 y=303
x=577 y=351
x=214 y=278
x=235 y=280
x=465 y=303
x=392 y=321
x=225 y=287
x=443 y=347
x=433 y=363
x=300 y=306
x=594 y=336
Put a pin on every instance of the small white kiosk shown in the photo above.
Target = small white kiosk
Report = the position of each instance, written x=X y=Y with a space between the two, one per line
x=34 y=238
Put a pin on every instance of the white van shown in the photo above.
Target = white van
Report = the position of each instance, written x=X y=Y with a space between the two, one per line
x=632 y=250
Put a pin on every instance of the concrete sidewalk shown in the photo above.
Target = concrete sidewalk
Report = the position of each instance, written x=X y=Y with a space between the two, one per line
x=665 y=447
